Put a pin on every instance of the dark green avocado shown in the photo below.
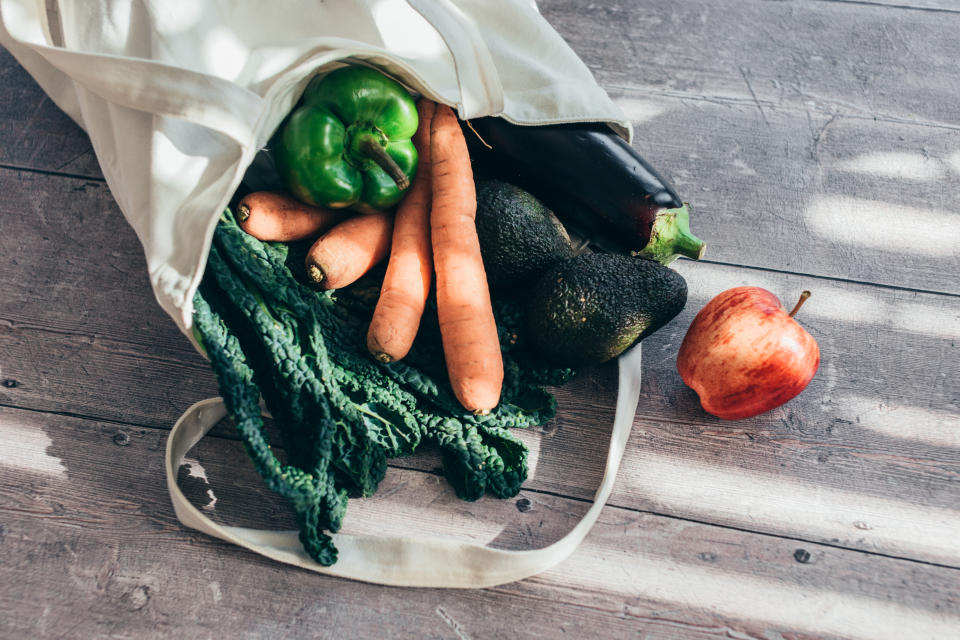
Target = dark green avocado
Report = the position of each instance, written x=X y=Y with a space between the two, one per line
x=590 y=308
x=519 y=236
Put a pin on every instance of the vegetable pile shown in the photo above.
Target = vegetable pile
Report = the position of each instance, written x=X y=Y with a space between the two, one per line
x=360 y=361
x=340 y=413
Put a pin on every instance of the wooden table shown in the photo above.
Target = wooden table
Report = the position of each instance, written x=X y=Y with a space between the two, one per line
x=818 y=143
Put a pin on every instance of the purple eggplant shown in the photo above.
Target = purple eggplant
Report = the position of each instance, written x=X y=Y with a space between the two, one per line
x=593 y=180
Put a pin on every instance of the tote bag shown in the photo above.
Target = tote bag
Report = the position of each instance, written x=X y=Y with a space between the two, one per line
x=178 y=96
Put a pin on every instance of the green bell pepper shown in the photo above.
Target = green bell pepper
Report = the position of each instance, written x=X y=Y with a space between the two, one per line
x=349 y=144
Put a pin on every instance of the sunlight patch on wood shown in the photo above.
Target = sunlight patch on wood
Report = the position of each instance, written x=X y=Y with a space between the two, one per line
x=25 y=447
x=873 y=224
x=830 y=301
x=899 y=165
x=842 y=304
x=640 y=110
x=406 y=504
x=954 y=161
x=781 y=604
x=728 y=494
x=938 y=428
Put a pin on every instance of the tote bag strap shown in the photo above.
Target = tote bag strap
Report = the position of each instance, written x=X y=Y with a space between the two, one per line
x=138 y=83
x=397 y=560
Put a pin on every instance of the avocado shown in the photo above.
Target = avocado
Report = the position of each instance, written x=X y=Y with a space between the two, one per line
x=590 y=308
x=519 y=236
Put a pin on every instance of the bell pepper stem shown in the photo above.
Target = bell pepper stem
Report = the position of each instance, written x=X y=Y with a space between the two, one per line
x=372 y=149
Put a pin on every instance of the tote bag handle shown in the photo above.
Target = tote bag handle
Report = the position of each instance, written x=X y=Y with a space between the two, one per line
x=400 y=560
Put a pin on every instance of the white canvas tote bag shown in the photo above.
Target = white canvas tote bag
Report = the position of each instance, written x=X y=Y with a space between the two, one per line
x=178 y=96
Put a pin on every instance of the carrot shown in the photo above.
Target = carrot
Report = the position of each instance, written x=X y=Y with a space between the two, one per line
x=276 y=217
x=406 y=284
x=347 y=251
x=467 y=328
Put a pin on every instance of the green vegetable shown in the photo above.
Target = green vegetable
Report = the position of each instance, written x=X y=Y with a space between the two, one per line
x=341 y=414
x=519 y=236
x=591 y=308
x=349 y=144
x=239 y=390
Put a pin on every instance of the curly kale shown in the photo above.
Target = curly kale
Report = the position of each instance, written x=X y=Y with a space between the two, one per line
x=340 y=413
x=240 y=392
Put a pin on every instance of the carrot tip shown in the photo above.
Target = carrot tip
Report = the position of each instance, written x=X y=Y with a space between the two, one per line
x=243 y=213
x=315 y=273
x=385 y=358
x=481 y=412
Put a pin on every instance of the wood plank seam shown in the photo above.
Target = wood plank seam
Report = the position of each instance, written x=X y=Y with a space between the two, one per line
x=890 y=5
x=53 y=172
x=827 y=278
x=800 y=274
x=545 y=492
x=857 y=113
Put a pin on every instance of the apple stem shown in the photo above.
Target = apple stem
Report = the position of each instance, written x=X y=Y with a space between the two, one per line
x=803 y=298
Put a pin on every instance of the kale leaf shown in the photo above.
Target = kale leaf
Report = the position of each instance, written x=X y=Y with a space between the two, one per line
x=340 y=413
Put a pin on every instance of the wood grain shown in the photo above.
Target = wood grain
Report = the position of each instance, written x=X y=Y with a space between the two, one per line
x=87 y=521
x=785 y=124
x=816 y=141
x=776 y=138
x=34 y=133
x=936 y=6
x=113 y=355
x=827 y=195
x=867 y=60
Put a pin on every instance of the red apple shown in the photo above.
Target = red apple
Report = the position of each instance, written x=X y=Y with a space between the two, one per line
x=744 y=354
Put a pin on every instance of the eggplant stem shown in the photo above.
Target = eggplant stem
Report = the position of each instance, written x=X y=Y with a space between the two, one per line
x=670 y=238
x=689 y=246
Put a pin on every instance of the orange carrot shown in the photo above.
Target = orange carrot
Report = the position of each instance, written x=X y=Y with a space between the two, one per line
x=467 y=328
x=277 y=217
x=350 y=249
x=406 y=284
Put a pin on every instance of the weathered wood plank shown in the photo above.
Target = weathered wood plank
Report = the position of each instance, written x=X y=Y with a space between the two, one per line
x=756 y=111
x=68 y=252
x=853 y=454
x=34 y=133
x=87 y=523
x=753 y=167
x=107 y=351
x=821 y=194
x=909 y=5
x=856 y=58
x=773 y=189
x=866 y=458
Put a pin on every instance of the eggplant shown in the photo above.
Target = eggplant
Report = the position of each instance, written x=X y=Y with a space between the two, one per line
x=593 y=180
